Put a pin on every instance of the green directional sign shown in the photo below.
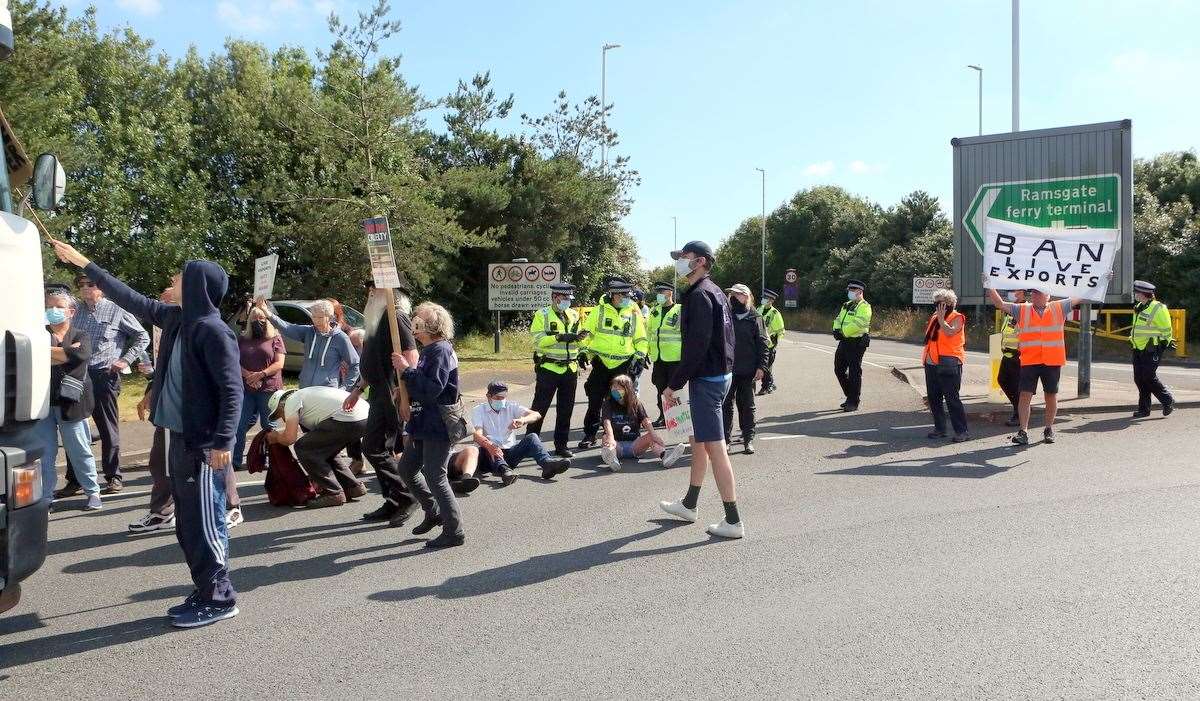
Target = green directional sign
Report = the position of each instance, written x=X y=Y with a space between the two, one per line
x=1056 y=203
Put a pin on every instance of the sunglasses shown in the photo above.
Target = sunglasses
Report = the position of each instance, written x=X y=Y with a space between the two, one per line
x=85 y=285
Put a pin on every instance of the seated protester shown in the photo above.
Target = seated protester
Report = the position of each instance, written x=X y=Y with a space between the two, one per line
x=463 y=461
x=496 y=424
x=328 y=429
x=624 y=417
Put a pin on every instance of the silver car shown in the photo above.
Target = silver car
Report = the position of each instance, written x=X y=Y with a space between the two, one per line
x=295 y=311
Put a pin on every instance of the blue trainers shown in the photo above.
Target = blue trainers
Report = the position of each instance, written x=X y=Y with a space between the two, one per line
x=204 y=614
x=188 y=604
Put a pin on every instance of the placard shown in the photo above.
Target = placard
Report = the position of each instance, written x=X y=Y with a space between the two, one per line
x=264 y=276
x=379 y=249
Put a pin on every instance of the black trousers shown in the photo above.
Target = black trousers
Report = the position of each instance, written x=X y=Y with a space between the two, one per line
x=660 y=377
x=742 y=392
x=1145 y=376
x=596 y=388
x=548 y=385
x=106 y=387
x=199 y=494
x=768 y=379
x=942 y=385
x=381 y=441
x=318 y=451
x=1009 y=378
x=847 y=366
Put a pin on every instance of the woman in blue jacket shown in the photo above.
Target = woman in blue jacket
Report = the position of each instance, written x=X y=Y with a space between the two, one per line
x=326 y=347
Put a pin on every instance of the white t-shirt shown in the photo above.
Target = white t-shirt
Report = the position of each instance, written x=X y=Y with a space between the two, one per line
x=495 y=424
x=315 y=404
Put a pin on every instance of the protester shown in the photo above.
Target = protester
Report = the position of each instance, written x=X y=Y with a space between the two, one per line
x=624 y=418
x=261 y=355
x=117 y=339
x=556 y=335
x=198 y=398
x=464 y=461
x=433 y=383
x=326 y=347
x=706 y=367
x=328 y=429
x=773 y=320
x=496 y=423
x=852 y=329
x=751 y=356
x=615 y=344
x=1151 y=335
x=943 y=359
x=70 y=400
x=1009 y=375
x=665 y=342
x=378 y=380
x=162 y=505
x=339 y=316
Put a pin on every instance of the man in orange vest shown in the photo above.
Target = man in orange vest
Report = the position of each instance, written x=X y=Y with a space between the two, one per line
x=1043 y=350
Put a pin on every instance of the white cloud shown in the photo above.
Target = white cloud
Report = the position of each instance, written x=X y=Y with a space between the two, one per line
x=250 y=20
x=254 y=16
x=142 y=7
x=819 y=170
x=864 y=168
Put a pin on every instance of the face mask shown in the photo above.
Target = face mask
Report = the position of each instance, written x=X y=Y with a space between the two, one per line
x=661 y=299
x=497 y=404
x=737 y=305
x=258 y=328
x=851 y=295
x=683 y=267
x=624 y=303
x=617 y=395
x=55 y=315
x=564 y=305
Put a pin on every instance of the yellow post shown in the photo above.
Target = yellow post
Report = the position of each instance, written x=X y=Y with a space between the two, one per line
x=995 y=354
x=1179 y=324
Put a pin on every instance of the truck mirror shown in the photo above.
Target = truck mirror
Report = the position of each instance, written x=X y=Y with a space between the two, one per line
x=49 y=182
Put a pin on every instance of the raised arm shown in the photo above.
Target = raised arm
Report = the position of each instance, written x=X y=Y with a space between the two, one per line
x=125 y=297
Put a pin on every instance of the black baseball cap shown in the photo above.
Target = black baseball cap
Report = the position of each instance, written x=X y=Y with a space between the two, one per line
x=696 y=248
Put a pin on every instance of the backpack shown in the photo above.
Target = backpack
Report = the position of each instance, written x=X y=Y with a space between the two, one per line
x=287 y=484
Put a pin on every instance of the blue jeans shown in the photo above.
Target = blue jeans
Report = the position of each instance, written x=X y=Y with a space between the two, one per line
x=529 y=447
x=253 y=404
x=77 y=443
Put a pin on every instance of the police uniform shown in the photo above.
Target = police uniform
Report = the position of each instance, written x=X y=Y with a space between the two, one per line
x=666 y=345
x=556 y=369
x=1009 y=375
x=616 y=344
x=773 y=321
x=852 y=329
x=1150 y=336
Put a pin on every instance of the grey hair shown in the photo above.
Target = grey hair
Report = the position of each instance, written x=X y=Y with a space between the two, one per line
x=947 y=296
x=65 y=296
x=438 y=322
x=321 y=305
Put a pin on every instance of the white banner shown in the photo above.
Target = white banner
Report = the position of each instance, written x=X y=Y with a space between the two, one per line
x=1067 y=262
x=264 y=276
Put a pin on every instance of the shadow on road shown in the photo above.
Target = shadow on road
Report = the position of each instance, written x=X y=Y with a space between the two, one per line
x=542 y=568
x=976 y=464
x=76 y=642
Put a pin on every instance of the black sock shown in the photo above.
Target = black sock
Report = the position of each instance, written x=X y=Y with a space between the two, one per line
x=731 y=514
x=693 y=495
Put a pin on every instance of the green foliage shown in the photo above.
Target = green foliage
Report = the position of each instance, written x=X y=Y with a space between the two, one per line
x=1166 y=226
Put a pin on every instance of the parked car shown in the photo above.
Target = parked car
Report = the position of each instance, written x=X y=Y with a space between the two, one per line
x=295 y=311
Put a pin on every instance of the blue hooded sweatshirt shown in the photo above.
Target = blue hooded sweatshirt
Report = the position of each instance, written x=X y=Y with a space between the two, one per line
x=212 y=380
x=324 y=354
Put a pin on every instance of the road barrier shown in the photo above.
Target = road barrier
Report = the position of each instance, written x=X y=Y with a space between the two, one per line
x=1106 y=326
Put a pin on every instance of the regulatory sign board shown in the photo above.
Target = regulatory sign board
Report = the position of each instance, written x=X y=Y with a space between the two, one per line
x=791 y=289
x=264 y=276
x=1061 y=180
x=521 y=287
x=924 y=287
x=379 y=249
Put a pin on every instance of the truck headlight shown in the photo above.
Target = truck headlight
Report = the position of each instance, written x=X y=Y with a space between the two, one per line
x=26 y=486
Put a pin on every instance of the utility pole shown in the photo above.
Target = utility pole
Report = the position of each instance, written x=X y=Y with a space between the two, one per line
x=604 y=103
x=675 y=247
x=979 y=69
x=1016 y=65
x=763 y=249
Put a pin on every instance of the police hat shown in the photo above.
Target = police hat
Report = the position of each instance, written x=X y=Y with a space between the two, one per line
x=562 y=288
x=1143 y=287
x=696 y=248
x=664 y=287
x=855 y=285
x=769 y=294
x=619 y=285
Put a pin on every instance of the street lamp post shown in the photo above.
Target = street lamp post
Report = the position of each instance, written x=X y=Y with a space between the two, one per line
x=763 y=250
x=604 y=102
x=675 y=247
x=979 y=69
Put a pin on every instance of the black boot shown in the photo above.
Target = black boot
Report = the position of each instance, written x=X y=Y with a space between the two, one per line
x=383 y=513
x=427 y=525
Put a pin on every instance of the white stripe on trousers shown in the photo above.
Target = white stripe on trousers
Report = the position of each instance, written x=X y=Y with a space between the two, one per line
x=207 y=512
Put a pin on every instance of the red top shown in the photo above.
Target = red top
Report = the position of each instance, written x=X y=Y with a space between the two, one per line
x=257 y=354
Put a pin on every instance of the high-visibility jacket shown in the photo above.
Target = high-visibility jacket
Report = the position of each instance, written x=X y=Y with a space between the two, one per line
x=854 y=320
x=773 y=320
x=1151 y=324
x=1009 y=339
x=666 y=340
x=616 y=335
x=939 y=343
x=550 y=353
x=1040 y=335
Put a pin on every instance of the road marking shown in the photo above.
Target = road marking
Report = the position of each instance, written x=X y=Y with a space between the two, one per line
x=901 y=428
x=779 y=438
x=860 y=430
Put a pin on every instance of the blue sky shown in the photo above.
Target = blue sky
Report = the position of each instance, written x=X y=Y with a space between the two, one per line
x=863 y=94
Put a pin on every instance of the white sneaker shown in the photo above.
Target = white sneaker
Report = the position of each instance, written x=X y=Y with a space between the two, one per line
x=677 y=509
x=727 y=530
x=93 y=503
x=233 y=517
x=609 y=456
x=152 y=522
x=673 y=454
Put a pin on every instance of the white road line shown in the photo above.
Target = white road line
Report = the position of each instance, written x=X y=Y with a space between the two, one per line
x=901 y=428
x=860 y=430
x=779 y=438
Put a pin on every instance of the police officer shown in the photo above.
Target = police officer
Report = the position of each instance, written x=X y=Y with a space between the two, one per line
x=616 y=344
x=852 y=329
x=1150 y=336
x=1009 y=376
x=773 y=320
x=666 y=342
x=556 y=337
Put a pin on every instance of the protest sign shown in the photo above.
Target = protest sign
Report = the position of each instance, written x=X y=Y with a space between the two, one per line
x=1065 y=262
x=379 y=248
x=264 y=276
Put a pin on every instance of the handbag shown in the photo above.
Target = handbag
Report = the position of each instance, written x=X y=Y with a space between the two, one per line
x=454 y=417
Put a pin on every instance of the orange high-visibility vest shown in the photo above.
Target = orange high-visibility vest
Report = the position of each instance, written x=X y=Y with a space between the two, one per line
x=1040 y=335
x=945 y=344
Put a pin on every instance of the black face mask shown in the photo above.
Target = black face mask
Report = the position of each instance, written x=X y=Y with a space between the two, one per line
x=258 y=329
x=737 y=306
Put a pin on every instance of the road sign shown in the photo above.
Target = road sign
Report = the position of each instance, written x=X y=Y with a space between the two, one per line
x=791 y=290
x=379 y=249
x=520 y=288
x=791 y=276
x=264 y=276
x=1057 y=203
x=924 y=287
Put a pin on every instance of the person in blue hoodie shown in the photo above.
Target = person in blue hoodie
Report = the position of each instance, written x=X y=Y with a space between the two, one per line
x=199 y=369
x=326 y=347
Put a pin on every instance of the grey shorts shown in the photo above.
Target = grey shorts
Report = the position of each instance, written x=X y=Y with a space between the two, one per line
x=704 y=400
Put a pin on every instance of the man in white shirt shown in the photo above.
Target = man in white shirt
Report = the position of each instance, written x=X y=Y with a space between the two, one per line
x=496 y=423
x=328 y=429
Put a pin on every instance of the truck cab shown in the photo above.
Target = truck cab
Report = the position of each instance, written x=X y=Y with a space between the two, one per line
x=24 y=356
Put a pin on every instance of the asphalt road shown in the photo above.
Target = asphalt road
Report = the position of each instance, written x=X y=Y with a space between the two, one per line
x=876 y=564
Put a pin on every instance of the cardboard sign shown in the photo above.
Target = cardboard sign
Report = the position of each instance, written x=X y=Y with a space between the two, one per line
x=1065 y=262
x=679 y=419
x=379 y=249
x=264 y=276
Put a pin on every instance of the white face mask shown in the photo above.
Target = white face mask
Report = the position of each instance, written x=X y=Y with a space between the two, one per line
x=851 y=295
x=683 y=267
